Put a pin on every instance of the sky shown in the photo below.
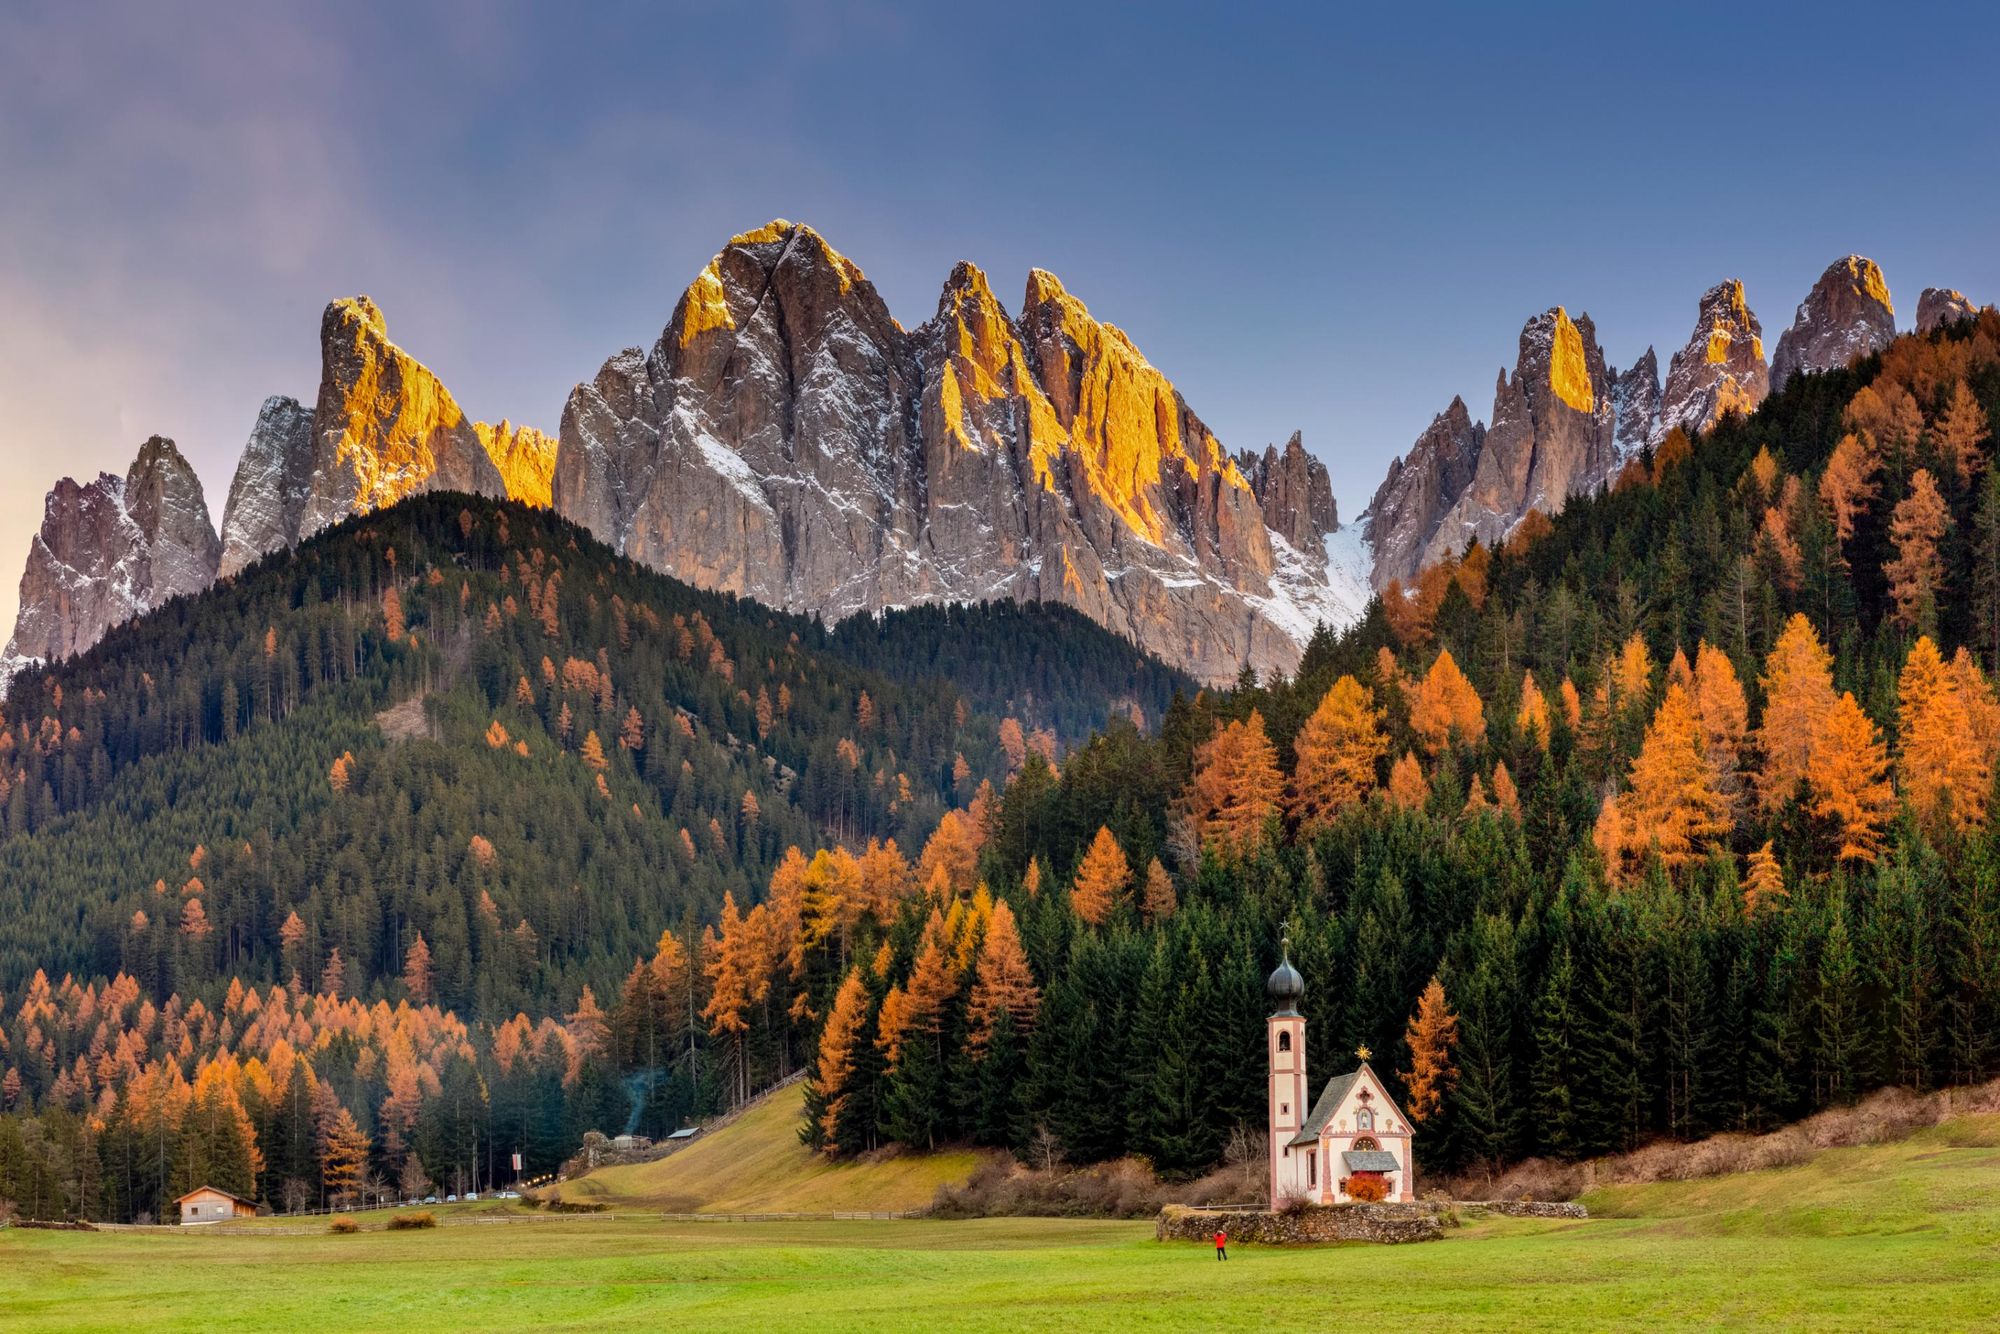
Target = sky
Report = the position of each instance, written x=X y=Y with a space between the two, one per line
x=1310 y=218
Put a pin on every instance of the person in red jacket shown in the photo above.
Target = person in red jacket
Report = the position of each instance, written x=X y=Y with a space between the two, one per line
x=1221 y=1244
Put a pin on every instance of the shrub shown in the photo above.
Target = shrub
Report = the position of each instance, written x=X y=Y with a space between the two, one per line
x=405 y=1222
x=343 y=1224
x=1295 y=1205
x=1367 y=1187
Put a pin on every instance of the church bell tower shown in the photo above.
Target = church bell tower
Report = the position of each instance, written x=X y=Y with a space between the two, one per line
x=1285 y=1053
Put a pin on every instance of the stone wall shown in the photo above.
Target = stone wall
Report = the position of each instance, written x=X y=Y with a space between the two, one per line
x=1386 y=1223
x=1522 y=1209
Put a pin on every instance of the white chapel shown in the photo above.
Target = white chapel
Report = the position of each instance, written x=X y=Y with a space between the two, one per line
x=1353 y=1133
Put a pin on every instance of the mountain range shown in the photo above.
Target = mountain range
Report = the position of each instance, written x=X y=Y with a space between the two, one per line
x=787 y=439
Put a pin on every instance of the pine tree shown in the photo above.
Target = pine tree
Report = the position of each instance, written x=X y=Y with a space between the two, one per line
x=1337 y=749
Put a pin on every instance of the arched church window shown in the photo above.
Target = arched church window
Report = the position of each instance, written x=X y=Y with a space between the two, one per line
x=1365 y=1143
x=1284 y=1042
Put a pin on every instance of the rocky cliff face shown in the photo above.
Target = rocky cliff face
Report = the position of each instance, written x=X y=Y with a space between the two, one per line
x=1554 y=434
x=1635 y=404
x=267 y=497
x=108 y=550
x=1721 y=369
x=1940 y=306
x=1295 y=492
x=1848 y=314
x=524 y=457
x=1420 y=489
x=384 y=427
x=786 y=439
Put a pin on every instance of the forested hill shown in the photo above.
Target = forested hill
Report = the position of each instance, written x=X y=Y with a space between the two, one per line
x=473 y=721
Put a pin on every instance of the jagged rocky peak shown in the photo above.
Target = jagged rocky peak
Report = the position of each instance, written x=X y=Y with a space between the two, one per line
x=1422 y=486
x=524 y=456
x=1721 y=369
x=785 y=438
x=1635 y=404
x=384 y=426
x=1553 y=435
x=1847 y=315
x=267 y=496
x=1942 y=306
x=110 y=549
x=1295 y=492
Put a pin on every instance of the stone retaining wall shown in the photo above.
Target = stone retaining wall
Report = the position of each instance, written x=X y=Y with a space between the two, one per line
x=1385 y=1223
x=1522 y=1209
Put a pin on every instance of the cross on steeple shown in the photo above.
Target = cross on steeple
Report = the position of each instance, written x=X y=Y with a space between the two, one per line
x=1362 y=1053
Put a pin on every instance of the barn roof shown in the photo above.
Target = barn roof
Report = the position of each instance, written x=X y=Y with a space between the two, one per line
x=216 y=1190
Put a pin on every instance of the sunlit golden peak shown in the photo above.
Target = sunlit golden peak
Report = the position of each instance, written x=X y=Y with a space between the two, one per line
x=777 y=229
x=1569 y=369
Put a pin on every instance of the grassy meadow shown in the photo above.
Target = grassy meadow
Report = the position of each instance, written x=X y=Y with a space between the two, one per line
x=755 y=1164
x=1903 y=1236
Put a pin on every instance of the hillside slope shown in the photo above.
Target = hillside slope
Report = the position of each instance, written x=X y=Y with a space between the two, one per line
x=755 y=1164
x=467 y=719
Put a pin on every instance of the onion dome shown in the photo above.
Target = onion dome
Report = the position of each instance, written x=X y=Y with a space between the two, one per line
x=1285 y=987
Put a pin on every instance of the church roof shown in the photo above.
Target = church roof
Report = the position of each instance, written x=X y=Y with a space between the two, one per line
x=1370 y=1160
x=1332 y=1095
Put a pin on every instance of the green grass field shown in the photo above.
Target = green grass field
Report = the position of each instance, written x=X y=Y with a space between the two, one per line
x=755 y=1164
x=1899 y=1237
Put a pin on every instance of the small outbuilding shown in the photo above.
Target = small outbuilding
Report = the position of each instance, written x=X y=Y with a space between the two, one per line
x=206 y=1204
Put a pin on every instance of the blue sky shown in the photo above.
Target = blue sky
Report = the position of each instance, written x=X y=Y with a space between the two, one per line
x=1310 y=218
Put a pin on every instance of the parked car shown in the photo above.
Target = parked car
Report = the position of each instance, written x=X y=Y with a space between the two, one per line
x=451 y=1199
x=471 y=1196
x=430 y=1199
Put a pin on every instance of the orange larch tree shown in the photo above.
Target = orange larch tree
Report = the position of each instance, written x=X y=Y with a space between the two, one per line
x=1445 y=709
x=1533 y=717
x=1100 y=879
x=1431 y=1036
x=1941 y=765
x=1674 y=806
x=1407 y=788
x=1236 y=785
x=1764 y=883
x=1849 y=767
x=1337 y=749
x=1158 y=900
x=1798 y=696
x=1918 y=523
x=1848 y=485
x=1002 y=981
x=1960 y=432
x=839 y=1041
x=1724 y=717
